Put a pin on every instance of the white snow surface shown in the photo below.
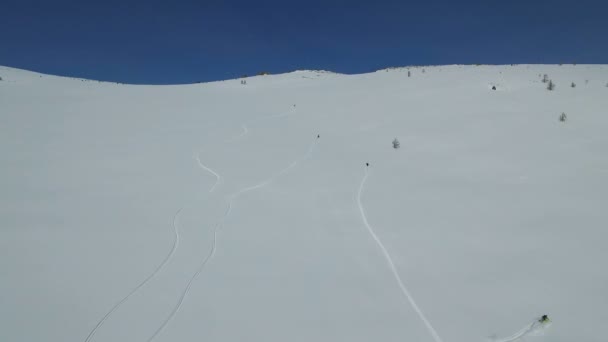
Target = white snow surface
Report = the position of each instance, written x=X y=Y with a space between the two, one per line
x=212 y=212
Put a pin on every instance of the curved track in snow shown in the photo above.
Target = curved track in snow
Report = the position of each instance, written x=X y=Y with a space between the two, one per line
x=145 y=281
x=292 y=112
x=278 y=174
x=218 y=178
x=530 y=329
x=188 y=286
x=391 y=265
x=245 y=128
x=217 y=228
x=245 y=131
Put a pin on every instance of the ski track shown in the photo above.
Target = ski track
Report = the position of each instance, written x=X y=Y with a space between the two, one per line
x=143 y=283
x=231 y=199
x=245 y=128
x=276 y=116
x=391 y=265
x=527 y=330
x=245 y=132
x=188 y=286
x=240 y=136
x=218 y=178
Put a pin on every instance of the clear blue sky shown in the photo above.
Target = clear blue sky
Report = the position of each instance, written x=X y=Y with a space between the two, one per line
x=179 y=41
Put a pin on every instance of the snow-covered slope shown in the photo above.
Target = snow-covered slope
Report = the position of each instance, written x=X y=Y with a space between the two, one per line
x=212 y=212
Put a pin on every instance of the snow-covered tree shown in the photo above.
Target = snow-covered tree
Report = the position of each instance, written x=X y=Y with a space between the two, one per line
x=562 y=118
x=551 y=85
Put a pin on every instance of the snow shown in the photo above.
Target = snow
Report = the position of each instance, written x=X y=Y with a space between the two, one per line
x=212 y=211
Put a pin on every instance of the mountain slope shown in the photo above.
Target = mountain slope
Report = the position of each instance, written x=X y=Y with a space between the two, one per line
x=492 y=211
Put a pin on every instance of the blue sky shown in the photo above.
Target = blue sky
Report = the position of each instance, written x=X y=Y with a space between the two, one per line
x=166 y=42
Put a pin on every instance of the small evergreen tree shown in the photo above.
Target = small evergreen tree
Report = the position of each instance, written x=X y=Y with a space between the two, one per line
x=545 y=78
x=573 y=85
x=562 y=118
x=396 y=144
x=551 y=85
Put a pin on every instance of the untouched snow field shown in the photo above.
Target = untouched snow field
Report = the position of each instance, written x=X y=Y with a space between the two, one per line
x=212 y=212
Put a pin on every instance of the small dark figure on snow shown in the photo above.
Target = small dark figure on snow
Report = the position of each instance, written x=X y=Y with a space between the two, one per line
x=493 y=87
x=318 y=136
x=543 y=319
x=366 y=164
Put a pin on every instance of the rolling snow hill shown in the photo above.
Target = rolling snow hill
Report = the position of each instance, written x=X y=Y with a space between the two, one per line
x=212 y=212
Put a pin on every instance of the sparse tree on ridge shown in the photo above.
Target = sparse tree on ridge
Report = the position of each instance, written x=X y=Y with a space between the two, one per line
x=545 y=78
x=551 y=85
x=396 y=144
